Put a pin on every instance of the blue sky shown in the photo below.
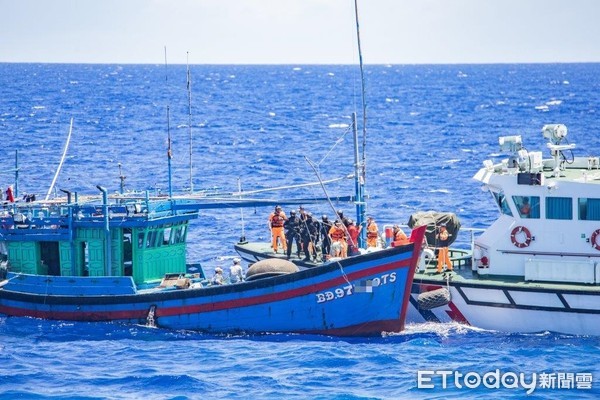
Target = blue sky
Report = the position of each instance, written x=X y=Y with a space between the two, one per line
x=299 y=31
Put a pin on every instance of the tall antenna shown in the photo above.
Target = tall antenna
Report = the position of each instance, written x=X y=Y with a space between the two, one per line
x=243 y=237
x=364 y=103
x=361 y=166
x=189 y=88
x=169 y=152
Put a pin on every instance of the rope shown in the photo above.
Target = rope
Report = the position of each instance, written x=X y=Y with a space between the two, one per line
x=62 y=160
x=343 y=273
x=335 y=144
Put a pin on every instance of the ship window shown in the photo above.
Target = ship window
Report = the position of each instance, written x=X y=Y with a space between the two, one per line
x=589 y=209
x=166 y=235
x=183 y=232
x=502 y=203
x=527 y=206
x=151 y=239
x=559 y=208
x=177 y=234
x=141 y=240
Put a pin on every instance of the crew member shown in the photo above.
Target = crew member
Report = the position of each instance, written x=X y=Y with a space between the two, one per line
x=10 y=195
x=337 y=234
x=325 y=239
x=400 y=237
x=372 y=232
x=292 y=233
x=236 y=273
x=309 y=232
x=443 y=240
x=276 y=221
x=218 y=278
x=353 y=233
x=525 y=208
x=343 y=219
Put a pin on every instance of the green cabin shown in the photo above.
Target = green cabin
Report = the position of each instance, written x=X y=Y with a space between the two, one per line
x=140 y=238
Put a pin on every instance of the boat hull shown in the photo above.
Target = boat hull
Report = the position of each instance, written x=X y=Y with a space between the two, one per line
x=358 y=296
x=519 y=308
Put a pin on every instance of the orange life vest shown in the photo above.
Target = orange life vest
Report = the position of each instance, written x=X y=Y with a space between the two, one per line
x=276 y=220
x=336 y=233
x=372 y=231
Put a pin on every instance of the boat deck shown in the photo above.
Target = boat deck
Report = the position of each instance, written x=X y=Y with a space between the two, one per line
x=467 y=277
x=462 y=273
x=255 y=251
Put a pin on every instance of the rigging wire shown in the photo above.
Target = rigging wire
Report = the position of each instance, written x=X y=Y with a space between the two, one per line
x=189 y=90
x=62 y=160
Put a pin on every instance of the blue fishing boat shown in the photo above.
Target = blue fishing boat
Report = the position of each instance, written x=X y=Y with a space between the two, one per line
x=120 y=258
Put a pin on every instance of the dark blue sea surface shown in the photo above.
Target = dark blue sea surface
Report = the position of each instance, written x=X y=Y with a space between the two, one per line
x=429 y=128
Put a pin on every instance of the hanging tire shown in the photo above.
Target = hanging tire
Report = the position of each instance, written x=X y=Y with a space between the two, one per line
x=433 y=299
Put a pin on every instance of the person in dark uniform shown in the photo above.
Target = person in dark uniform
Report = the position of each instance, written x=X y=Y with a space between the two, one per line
x=325 y=239
x=309 y=233
x=342 y=219
x=292 y=232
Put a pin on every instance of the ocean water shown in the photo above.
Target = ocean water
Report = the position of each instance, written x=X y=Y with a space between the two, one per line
x=429 y=128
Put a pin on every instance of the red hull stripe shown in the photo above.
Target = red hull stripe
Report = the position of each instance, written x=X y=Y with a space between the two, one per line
x=275 y=297
x=140 y=314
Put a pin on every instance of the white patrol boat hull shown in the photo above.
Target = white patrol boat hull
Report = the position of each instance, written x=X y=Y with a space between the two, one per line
x=537 y=267
x=518 y=307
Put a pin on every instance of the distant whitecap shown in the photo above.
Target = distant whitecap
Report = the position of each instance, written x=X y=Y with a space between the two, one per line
x=554 y=102
x=272 y=114
x=439 y=191
x=331 y=74
x=542 y=108
x=338 y=125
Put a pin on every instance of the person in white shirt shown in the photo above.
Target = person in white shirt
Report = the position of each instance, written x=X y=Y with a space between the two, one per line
x=236 y=274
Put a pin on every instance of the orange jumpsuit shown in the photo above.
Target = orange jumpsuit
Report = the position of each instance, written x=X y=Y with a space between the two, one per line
x=337 y=234
x=443 y=252
x=372 y=234
x=276 y=221
x=400 y=238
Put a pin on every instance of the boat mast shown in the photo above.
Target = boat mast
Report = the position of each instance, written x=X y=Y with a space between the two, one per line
x=361 y=168
x=243 y=237
x=16 y=173
x=358 y=186
x=189 y=89
x=169 y=152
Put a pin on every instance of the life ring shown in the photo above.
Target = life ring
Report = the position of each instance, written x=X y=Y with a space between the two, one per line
x=594 y=239
x=518 y=243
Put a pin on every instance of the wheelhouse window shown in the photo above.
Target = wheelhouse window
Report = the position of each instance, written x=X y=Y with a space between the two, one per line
x=589 y=209
x=502 y=203
x=559 y=208
x=527 y=206
x=166 y=235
